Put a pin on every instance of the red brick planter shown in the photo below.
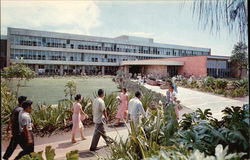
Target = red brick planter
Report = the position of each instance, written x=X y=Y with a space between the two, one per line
x=151 y=82
x=163 y=86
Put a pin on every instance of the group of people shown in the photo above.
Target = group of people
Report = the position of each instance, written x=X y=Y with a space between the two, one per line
x=21 y=127
x=21 y=122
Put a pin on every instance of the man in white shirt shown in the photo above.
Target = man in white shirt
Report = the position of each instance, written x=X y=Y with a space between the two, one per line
x=135 y=108
x=99 y=111
x=25 y=126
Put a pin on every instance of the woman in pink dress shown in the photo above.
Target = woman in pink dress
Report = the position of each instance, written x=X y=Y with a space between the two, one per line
x=78 y=115
x=123 y=107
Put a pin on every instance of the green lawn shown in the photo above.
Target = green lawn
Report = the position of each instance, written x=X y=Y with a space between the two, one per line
x=49 y=90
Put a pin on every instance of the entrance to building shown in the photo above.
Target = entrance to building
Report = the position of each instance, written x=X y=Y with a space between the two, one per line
x=172 y=71
x=135 y=69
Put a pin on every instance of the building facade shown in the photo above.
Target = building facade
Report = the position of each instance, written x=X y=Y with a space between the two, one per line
x=3 y=53
x=52 y=53
x=198 y=66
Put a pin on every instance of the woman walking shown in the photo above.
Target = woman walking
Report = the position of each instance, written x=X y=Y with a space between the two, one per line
x=123 y=107
x=78 y=115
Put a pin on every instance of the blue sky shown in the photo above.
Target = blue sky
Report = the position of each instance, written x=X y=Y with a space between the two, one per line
x=169 y=22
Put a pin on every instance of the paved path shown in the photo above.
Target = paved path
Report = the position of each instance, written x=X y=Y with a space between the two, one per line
x=196 y=99
x=62 y=144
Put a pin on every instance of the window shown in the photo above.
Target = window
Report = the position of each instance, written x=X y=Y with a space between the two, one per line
x=72 y=46
x=68 y=41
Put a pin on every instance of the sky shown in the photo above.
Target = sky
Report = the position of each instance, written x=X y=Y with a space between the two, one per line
x=169 y=21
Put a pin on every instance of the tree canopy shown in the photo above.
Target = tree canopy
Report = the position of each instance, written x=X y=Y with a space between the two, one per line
x=217 y=13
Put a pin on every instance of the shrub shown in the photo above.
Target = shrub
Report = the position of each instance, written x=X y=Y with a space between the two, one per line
x=219 y=91
x=209 y=81
x=183 y=82
x=237 y=92
x=48 y=119
x=193 y=84
x=8 y=101
x=50 y=155
x=220 y=84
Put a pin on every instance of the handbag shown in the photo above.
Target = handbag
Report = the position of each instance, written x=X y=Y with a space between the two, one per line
x=82 y=117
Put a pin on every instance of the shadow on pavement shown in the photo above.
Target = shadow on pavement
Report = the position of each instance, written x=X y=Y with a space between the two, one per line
x=86 y=154
x=65 y=145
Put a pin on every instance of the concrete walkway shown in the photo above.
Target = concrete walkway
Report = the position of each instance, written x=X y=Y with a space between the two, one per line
x=62 y=144
x=196 y=99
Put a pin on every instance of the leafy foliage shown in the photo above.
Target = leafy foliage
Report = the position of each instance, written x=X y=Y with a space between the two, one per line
x=70 y=89
x=19 y=71
x=8 y=101
x=159 y=136
x=50 y=155
x=48 y=119
x=239 y=56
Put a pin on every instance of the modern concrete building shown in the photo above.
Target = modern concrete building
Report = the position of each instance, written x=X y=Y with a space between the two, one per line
x=201 y=65
x=61 y=53
x=3 y=53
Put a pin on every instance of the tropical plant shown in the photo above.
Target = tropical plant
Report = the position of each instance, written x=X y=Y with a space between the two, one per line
x=48 y=119
x=214 y=14
x=8 y=101
x=209 y=81
x=50 y=155
x=220 y=83
x=70 y=89
x=237 y=92
x=87 y=108
x=19 y=71
x=220 y=154
x=240 y=57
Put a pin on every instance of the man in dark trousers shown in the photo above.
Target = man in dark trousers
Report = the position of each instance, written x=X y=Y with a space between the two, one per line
x=99 y=111
x=15 y=139
x=25 y=126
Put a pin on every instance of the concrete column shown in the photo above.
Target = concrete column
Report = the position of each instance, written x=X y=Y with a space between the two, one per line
x=61 y=70
x=126 y=70
x=103 y=70
x=83 y=69
x=36 y=68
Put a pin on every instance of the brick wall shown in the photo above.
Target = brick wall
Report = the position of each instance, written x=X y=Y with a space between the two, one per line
x=196 y=65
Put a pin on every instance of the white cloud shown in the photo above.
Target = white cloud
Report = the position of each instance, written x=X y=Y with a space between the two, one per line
x=61 y=16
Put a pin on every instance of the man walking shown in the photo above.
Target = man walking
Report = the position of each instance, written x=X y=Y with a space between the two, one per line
x=135 y=108
x=25 y=126
x=99 y=111
x=15 y=139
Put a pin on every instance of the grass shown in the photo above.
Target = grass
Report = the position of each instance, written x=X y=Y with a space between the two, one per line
x=49 y=90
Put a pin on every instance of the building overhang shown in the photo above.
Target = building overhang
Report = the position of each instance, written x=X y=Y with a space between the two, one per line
x=50 y=62
x=152 y=62
x=219 y=57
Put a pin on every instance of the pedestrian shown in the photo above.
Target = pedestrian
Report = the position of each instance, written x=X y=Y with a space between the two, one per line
x=174 y=84
x=135 y=108
x=99 y=111
x=25 y=127
x=170 y=95
x=77 y=116
x=123 y=107
x=14 y=124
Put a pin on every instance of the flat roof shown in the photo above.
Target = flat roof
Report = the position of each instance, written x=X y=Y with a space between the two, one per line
x=153 y=62
x=219 y=57
x=127 y=40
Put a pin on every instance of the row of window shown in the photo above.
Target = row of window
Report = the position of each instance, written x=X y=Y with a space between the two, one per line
x=85 y=45
x=70 y=56
x=89 y=70
x=218 y=73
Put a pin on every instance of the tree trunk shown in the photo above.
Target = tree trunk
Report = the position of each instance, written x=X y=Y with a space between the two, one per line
x=18 y=85
x=240 y=73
